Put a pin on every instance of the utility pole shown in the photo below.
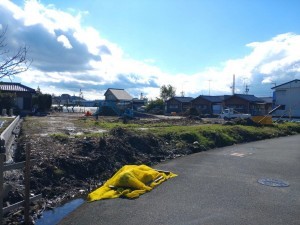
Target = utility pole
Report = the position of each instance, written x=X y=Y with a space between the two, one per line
x=209 y=87
x=233 y=85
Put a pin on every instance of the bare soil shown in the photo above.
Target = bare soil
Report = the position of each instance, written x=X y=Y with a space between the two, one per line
x=68 y=167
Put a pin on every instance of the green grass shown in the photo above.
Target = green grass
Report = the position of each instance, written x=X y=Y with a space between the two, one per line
x=108 y=125
x=211 y=136
x=208 y=136
x=60 y=136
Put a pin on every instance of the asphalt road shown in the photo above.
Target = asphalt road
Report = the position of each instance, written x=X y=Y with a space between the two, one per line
x=219 y=186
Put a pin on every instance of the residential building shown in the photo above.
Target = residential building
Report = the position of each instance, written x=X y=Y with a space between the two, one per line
x=23 y=95
x=243 y=103
x=268 y=103
x=66 y=99
x=117 y=95
x=178 y=104
x=287 y=95
x=205 y=104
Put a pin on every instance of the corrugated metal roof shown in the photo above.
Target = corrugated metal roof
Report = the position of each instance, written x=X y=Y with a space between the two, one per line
x=120 y=94
x=296 y=80
x=183 y=99
x=15 y=87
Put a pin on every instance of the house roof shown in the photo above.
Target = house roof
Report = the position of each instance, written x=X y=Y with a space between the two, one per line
x=120 y=94
x=249 y=98
x=182 y=99
x=296 y=80
x=213 y=99
x=15 y=87
x=267 y=99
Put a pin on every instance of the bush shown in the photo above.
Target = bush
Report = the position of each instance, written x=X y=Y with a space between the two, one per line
x=7 y=101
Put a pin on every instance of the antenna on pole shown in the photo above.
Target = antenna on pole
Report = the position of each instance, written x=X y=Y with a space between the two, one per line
x=247 y=89
x=233 y=85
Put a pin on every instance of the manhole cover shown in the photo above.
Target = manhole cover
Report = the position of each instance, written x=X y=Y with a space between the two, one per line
x=273 y=182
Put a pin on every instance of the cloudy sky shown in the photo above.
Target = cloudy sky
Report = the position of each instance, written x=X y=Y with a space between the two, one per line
x=139 y=45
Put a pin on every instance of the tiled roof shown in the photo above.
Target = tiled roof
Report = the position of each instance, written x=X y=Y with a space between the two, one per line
x=267 y=99
x=182 y=99
x=120 y=94
x=249 y=98
x=15 y=87
x=213 y=99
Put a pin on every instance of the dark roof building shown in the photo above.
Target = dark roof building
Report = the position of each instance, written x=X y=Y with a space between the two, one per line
x=23 y=95
x=15 y=87
x=178 y=104
x=206 y=104
x=248 y=98
x=182 y=99
x=212 y=99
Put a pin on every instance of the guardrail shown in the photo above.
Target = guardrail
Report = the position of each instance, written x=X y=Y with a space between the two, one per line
x=27 y=199
x=6 y=134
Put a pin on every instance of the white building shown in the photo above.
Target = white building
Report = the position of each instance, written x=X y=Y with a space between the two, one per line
x=288 y=96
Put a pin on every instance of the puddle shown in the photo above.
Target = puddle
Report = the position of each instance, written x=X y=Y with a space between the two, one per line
x=143 y=128
x=52 y=217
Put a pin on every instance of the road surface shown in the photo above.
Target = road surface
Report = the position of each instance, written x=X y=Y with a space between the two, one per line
x=217 y=187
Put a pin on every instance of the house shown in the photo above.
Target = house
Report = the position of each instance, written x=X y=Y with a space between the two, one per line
x=23 y=94
x=268 y=103
x=178 y=104
x=117 y=95
x=208 y=104
x=66 y=99
x=245 y=104
x=287 y=95
x=138 y=103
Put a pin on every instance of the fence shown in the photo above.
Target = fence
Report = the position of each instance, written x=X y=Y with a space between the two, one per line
x=27 y=199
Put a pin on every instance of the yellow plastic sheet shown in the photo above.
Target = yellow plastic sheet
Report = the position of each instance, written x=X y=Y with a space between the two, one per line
x=130 y=181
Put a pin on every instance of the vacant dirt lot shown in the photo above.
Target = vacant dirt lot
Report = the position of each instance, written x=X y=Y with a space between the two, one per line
x=72 y=162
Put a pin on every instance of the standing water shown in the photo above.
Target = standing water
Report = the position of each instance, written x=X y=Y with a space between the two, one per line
x=52 y=217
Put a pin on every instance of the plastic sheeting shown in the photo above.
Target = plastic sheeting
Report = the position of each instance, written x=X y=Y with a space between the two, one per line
x=130 y=181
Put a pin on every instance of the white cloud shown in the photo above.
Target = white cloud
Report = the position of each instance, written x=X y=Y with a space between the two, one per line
x=68 y=56
x=65 y=41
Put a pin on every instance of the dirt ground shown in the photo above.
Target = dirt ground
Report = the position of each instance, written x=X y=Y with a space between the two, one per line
x=70 y=167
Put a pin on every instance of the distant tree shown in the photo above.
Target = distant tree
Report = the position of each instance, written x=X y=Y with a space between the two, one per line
x=167 y=92
x=42 y=101
x=12 y=63
x=155 y=106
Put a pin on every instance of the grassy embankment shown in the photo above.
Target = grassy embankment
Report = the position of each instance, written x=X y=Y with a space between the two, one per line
x=208 y=136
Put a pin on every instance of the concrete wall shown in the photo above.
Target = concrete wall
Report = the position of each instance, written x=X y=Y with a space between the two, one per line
x=6 y=134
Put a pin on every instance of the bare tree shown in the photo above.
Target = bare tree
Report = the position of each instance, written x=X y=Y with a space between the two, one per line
x=12 y=64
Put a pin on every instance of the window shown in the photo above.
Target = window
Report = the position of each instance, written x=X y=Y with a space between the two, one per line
x=202 y=106
x=173 y=106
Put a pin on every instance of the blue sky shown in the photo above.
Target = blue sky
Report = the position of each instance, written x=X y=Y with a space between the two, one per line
x=141 y=45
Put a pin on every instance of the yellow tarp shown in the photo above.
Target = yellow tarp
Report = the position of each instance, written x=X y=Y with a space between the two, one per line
x=130 y=181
